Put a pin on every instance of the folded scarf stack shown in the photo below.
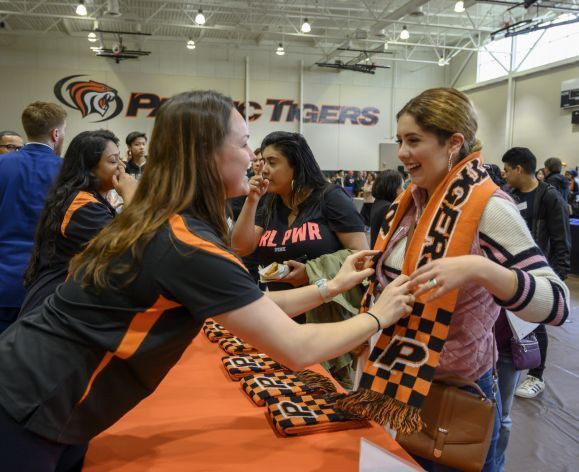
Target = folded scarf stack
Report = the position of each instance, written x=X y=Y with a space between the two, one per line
x=297 y=416
x=261 y=388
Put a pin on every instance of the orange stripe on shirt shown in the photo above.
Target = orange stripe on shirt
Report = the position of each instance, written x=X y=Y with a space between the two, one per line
x=136 y=333
x=81 y=199
x=182 y=233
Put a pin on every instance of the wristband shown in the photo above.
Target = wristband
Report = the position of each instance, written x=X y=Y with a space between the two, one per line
x=322 y=285
x=377 y=320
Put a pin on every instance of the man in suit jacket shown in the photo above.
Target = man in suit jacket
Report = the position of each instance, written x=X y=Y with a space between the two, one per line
x=25 y=178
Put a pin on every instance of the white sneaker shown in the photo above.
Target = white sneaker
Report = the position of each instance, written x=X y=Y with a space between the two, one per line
x=530 y=388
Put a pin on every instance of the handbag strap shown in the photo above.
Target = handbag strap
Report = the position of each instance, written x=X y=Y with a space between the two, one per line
x=458 y=381
x=495 y=387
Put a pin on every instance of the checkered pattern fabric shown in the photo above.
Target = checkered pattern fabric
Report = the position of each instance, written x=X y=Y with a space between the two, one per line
x=260 y=388
x=214 y=331
x=234 y=346
x=400 y=369
x=293 y=416
x=243 y=365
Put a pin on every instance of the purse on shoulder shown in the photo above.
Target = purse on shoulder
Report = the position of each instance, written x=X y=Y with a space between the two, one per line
x=459 y=426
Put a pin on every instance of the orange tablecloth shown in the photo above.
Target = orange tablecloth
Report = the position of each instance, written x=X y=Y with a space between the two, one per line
x=199 y=420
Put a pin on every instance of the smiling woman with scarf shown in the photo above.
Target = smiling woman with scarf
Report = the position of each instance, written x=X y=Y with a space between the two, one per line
x=467 y=251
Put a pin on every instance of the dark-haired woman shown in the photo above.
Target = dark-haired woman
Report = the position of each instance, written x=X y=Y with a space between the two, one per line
x=141 y=290
x=76 y=209
x=302 y=217
x=387 y=186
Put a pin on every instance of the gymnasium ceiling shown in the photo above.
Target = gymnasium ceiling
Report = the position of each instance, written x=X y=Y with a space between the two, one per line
x=364 y=25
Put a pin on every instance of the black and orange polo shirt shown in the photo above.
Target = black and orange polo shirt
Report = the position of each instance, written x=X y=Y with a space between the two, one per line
x=75 y=365
x=83 y=216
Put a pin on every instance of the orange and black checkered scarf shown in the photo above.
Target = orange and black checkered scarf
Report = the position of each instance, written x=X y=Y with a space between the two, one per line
x=400 y=369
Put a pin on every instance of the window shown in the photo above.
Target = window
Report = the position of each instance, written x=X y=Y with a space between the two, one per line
x=531 y=50
x=553 y=45
x=494 y=60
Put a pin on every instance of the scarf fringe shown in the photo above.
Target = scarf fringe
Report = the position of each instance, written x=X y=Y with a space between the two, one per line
x=402 y=418
x=315 y=381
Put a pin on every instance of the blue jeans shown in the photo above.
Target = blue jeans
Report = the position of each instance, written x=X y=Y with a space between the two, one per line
x=508 y=381
x=486 y=384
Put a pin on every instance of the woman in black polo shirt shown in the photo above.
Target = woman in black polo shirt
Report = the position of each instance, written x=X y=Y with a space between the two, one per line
x=76 y=209
x=141 y=290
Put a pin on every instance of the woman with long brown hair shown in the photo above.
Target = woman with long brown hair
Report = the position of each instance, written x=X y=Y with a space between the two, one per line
x=467 y=251
x=142 y=289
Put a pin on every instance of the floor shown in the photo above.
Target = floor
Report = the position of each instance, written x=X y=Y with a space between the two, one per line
x=545 y=435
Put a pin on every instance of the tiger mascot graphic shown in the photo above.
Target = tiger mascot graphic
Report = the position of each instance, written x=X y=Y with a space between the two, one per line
x=89 y=97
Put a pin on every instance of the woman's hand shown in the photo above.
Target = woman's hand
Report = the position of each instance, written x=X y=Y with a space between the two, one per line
x=257 y=188
x=446 y=274
x=355 y=269
x=124 y=184
x=297 y=276
x=394 y=302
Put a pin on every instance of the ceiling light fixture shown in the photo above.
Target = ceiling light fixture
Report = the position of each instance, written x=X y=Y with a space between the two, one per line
x=459 y=7
x=92 y=37
x=280 y=51
x=191 y=44
x=200 y=18
x=306 y=27
x=81 y=9
x=404 y=34
x=442 y=62
x=385 y=45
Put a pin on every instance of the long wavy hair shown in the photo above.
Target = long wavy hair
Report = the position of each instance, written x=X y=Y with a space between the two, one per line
x=82 y=156
x=308 y=181
x=181 y=176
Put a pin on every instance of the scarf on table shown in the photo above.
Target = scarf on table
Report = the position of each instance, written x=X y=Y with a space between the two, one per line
x=234 y=346
x=400 y=369
x=242 y=365
x=214 y=331
x=263 y=387
x=293 y=416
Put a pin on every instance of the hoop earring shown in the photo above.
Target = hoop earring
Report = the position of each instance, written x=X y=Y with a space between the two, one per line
x=450 y=156
x=292 y=184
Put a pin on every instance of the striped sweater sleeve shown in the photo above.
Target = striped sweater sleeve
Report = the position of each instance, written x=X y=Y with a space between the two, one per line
x=506 y=240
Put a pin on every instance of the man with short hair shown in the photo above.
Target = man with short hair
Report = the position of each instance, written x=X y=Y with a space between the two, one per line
x=543 y=209
x=10 y=141
x=25 y=179
x=553 y=176
x=541 y=206
x=137 y=153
